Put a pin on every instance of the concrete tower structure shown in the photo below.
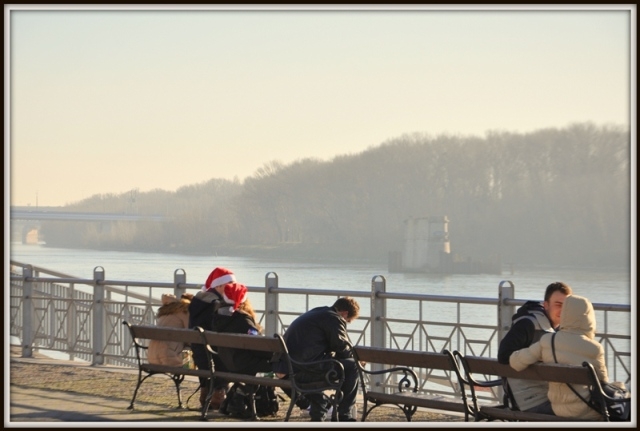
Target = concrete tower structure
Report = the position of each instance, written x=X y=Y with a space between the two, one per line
x=426 y=239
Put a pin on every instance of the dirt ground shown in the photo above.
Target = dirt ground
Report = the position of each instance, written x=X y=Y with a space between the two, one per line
x=159 y=391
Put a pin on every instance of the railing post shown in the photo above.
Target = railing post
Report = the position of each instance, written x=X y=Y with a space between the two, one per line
x=271 y=309
x=378 y=324
x=178 y=279
x=378 y=311
x=27 y=312
x=98 y=316
x=506 y=291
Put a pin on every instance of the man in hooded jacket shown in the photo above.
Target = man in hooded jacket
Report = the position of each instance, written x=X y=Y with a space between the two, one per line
x=529 y=324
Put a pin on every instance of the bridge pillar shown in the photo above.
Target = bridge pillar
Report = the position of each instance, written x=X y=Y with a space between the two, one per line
x=29 y=234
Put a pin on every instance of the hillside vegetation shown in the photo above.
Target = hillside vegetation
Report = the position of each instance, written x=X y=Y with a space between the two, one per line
x=553 y=196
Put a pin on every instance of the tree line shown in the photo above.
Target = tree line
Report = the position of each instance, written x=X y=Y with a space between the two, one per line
x=552 y=196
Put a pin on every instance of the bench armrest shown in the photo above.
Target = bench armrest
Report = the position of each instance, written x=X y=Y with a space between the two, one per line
x=331 y=370
x=408 y=380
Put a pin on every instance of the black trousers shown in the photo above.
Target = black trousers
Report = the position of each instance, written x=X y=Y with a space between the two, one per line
x=201 y=361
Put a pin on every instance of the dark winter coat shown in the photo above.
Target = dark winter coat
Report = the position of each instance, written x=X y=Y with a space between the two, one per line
x=528 y=325
x=240 y=360
x=318 y=334
x=203 y=313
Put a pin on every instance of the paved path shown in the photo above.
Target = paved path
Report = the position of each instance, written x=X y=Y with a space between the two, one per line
x=43 y=390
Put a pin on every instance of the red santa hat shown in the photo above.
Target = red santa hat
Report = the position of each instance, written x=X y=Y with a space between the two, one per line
x=218 y=277
x=235 y=294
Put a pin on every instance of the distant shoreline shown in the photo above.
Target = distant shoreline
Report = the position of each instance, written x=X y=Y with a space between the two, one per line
x=328 y=255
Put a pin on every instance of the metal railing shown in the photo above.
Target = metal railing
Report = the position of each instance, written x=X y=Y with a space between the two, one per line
x=82 y=318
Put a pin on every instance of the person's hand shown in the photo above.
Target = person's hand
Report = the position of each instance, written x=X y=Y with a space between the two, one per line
x=363 y=363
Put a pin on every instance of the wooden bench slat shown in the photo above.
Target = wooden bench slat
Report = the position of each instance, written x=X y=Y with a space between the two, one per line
x=408 y=358
x=244 y=341
x=188 y=336
x=550 y=372
x=418 y=400
x=504 y=413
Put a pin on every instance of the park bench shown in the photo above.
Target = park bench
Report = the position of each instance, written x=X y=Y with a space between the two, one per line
x=397 y=367
x=494 y=372
x=330 y=386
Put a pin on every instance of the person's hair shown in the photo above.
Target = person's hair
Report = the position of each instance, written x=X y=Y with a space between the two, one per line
x=246 y=307
x=557 y=286
x=349 y=305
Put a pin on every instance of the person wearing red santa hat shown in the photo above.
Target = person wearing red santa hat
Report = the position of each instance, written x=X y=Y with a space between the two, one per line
x=243 y=320
x=203 y=312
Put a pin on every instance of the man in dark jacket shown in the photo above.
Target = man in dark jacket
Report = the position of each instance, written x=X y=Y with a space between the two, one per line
x=531 y=321
x=321 y=333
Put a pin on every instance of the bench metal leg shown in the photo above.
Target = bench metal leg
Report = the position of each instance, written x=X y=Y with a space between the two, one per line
x=135 y=392
x=292 y=402
x=178 y=379
x=207 y=400
x=334 y=400
x=407 y=410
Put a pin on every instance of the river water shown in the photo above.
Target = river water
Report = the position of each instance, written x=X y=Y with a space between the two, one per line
x=599 y=285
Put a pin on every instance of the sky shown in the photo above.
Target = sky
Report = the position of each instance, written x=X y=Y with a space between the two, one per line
x=112 y=99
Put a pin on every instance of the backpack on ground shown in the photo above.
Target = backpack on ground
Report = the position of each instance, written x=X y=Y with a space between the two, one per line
x=267 y=402
x=236 y=403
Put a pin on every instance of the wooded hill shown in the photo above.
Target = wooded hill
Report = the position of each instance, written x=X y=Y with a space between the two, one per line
x=553 y=196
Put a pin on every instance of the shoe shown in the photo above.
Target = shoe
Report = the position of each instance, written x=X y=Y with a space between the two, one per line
x=218 y=397
x=203 y=395
x=302 y=402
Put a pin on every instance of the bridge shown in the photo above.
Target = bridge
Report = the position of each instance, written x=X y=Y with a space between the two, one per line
x=30 y=218
x=55 y=213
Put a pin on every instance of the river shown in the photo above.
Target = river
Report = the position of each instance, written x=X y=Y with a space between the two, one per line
x=599 y=285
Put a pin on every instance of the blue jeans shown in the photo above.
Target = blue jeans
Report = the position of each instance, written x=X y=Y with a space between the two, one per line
x=542 y=408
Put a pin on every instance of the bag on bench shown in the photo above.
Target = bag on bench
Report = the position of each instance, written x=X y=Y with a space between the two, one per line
x=618 y=411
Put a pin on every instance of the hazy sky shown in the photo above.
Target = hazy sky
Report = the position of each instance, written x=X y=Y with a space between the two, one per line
x=106 y=101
